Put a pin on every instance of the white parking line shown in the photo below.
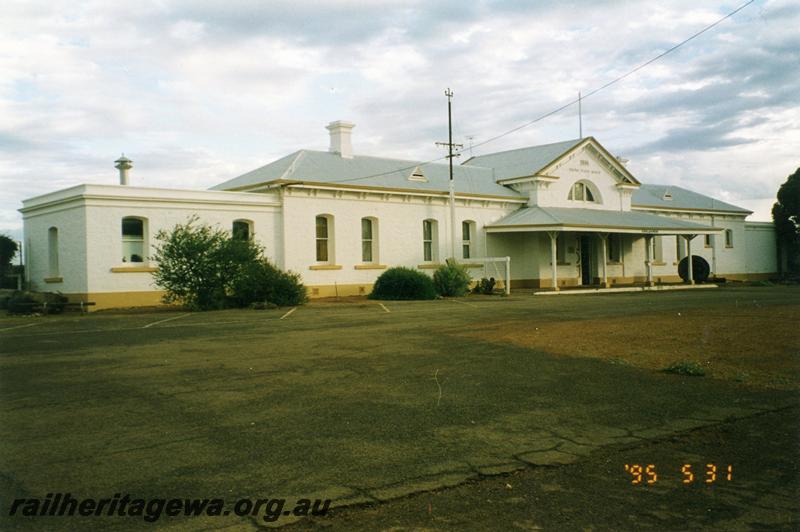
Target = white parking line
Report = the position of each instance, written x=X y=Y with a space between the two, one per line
x=288 y=313
x=168 y=319
x=384 y=307
x=19 y=326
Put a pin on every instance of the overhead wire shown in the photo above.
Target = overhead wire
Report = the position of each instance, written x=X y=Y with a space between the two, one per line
x=568 y=104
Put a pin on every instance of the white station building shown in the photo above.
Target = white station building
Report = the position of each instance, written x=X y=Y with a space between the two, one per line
x=567 y=214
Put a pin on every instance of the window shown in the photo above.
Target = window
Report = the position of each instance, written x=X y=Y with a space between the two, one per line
x=657 y=249
x=52 y=252
x=561 y=248
x=581 y=192
x=368 y=241
x=242 y=230
x=709 y=242
x=680 y=247
x=429 y=238
x=614 y=248
x=467 y=230
x=728 y=238
x=132 y=240
x=323 y=238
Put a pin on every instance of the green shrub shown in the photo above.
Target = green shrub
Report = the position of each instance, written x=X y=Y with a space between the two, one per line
x=403 y=283
x=262 y=284
x=27 y=302
x=484 y=286
x=451 y=280
x=693 y=369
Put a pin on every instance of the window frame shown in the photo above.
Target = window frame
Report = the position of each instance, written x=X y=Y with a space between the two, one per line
x=131 y=244
x=583 y=192
x=729 y=238
x=614 y=249
x=467 y=238
x=323 y=242
x=248 y=224
x=370 y=243
x=429 y=240
x=53 y=269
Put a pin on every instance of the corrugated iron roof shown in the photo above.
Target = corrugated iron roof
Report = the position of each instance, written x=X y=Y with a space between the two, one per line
x=672 y=197
x=593 y=218
x=331 y=168
x=522 y=161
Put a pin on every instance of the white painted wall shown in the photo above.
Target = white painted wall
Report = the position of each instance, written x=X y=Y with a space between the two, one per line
x=70 y=220
x=90 y=234
x=399 y=231
x=760 y=245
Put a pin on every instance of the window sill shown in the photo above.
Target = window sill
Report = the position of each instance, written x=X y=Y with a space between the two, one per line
x=728 y=247
x=325 y=267
x=368 y=266
x=429 y=266
x=133 y=269
x=54 y=279
x=471 y=264
x=613 y=263
x=658 y=263
x=561 y=263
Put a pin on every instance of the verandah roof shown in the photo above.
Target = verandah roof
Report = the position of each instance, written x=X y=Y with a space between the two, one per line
x=530 y=219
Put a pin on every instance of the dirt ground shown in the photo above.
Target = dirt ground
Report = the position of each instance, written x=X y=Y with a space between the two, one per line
x=478 y=413
x=754 y=344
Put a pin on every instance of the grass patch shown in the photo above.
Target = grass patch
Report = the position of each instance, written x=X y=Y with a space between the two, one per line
x=684 y=367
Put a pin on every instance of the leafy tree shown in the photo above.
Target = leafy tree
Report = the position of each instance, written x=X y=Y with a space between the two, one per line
x=786 y=215
x=198 y=264
x=8 y=250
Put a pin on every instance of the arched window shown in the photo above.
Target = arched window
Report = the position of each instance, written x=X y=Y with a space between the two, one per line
x=430 y=237
x=133 y=239
x=728 y=238
x=242 y=230
x=369 y=240
x=581 y=191
x=52 y=252
x=467 y=238
x=324 y=238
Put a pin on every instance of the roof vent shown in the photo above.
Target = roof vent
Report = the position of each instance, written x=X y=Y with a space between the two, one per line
x=123 y=165
x=418 y=176
x=667 y=195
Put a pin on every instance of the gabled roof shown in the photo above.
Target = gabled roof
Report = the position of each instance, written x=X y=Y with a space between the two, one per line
x=565 y=218
x=656 y=196
x=522 y=161
x=321 y=167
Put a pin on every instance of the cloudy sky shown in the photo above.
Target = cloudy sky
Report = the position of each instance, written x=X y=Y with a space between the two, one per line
x=199 y=92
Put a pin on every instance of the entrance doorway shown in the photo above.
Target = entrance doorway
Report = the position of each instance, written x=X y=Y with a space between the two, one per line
x=586 y=260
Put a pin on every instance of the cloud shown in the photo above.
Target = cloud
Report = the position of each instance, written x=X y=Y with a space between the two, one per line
x=198 y=92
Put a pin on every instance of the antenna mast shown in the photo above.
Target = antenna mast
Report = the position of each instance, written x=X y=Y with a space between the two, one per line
x=450 y=156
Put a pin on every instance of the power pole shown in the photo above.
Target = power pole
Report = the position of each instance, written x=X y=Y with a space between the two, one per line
x=580 y=117
x=450 y=156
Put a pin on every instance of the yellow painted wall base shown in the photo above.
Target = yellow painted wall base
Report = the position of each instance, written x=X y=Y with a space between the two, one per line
x=340 y=290
x=105 y=300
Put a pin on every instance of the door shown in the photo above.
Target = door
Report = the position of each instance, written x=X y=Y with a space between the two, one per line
x=586 y=260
